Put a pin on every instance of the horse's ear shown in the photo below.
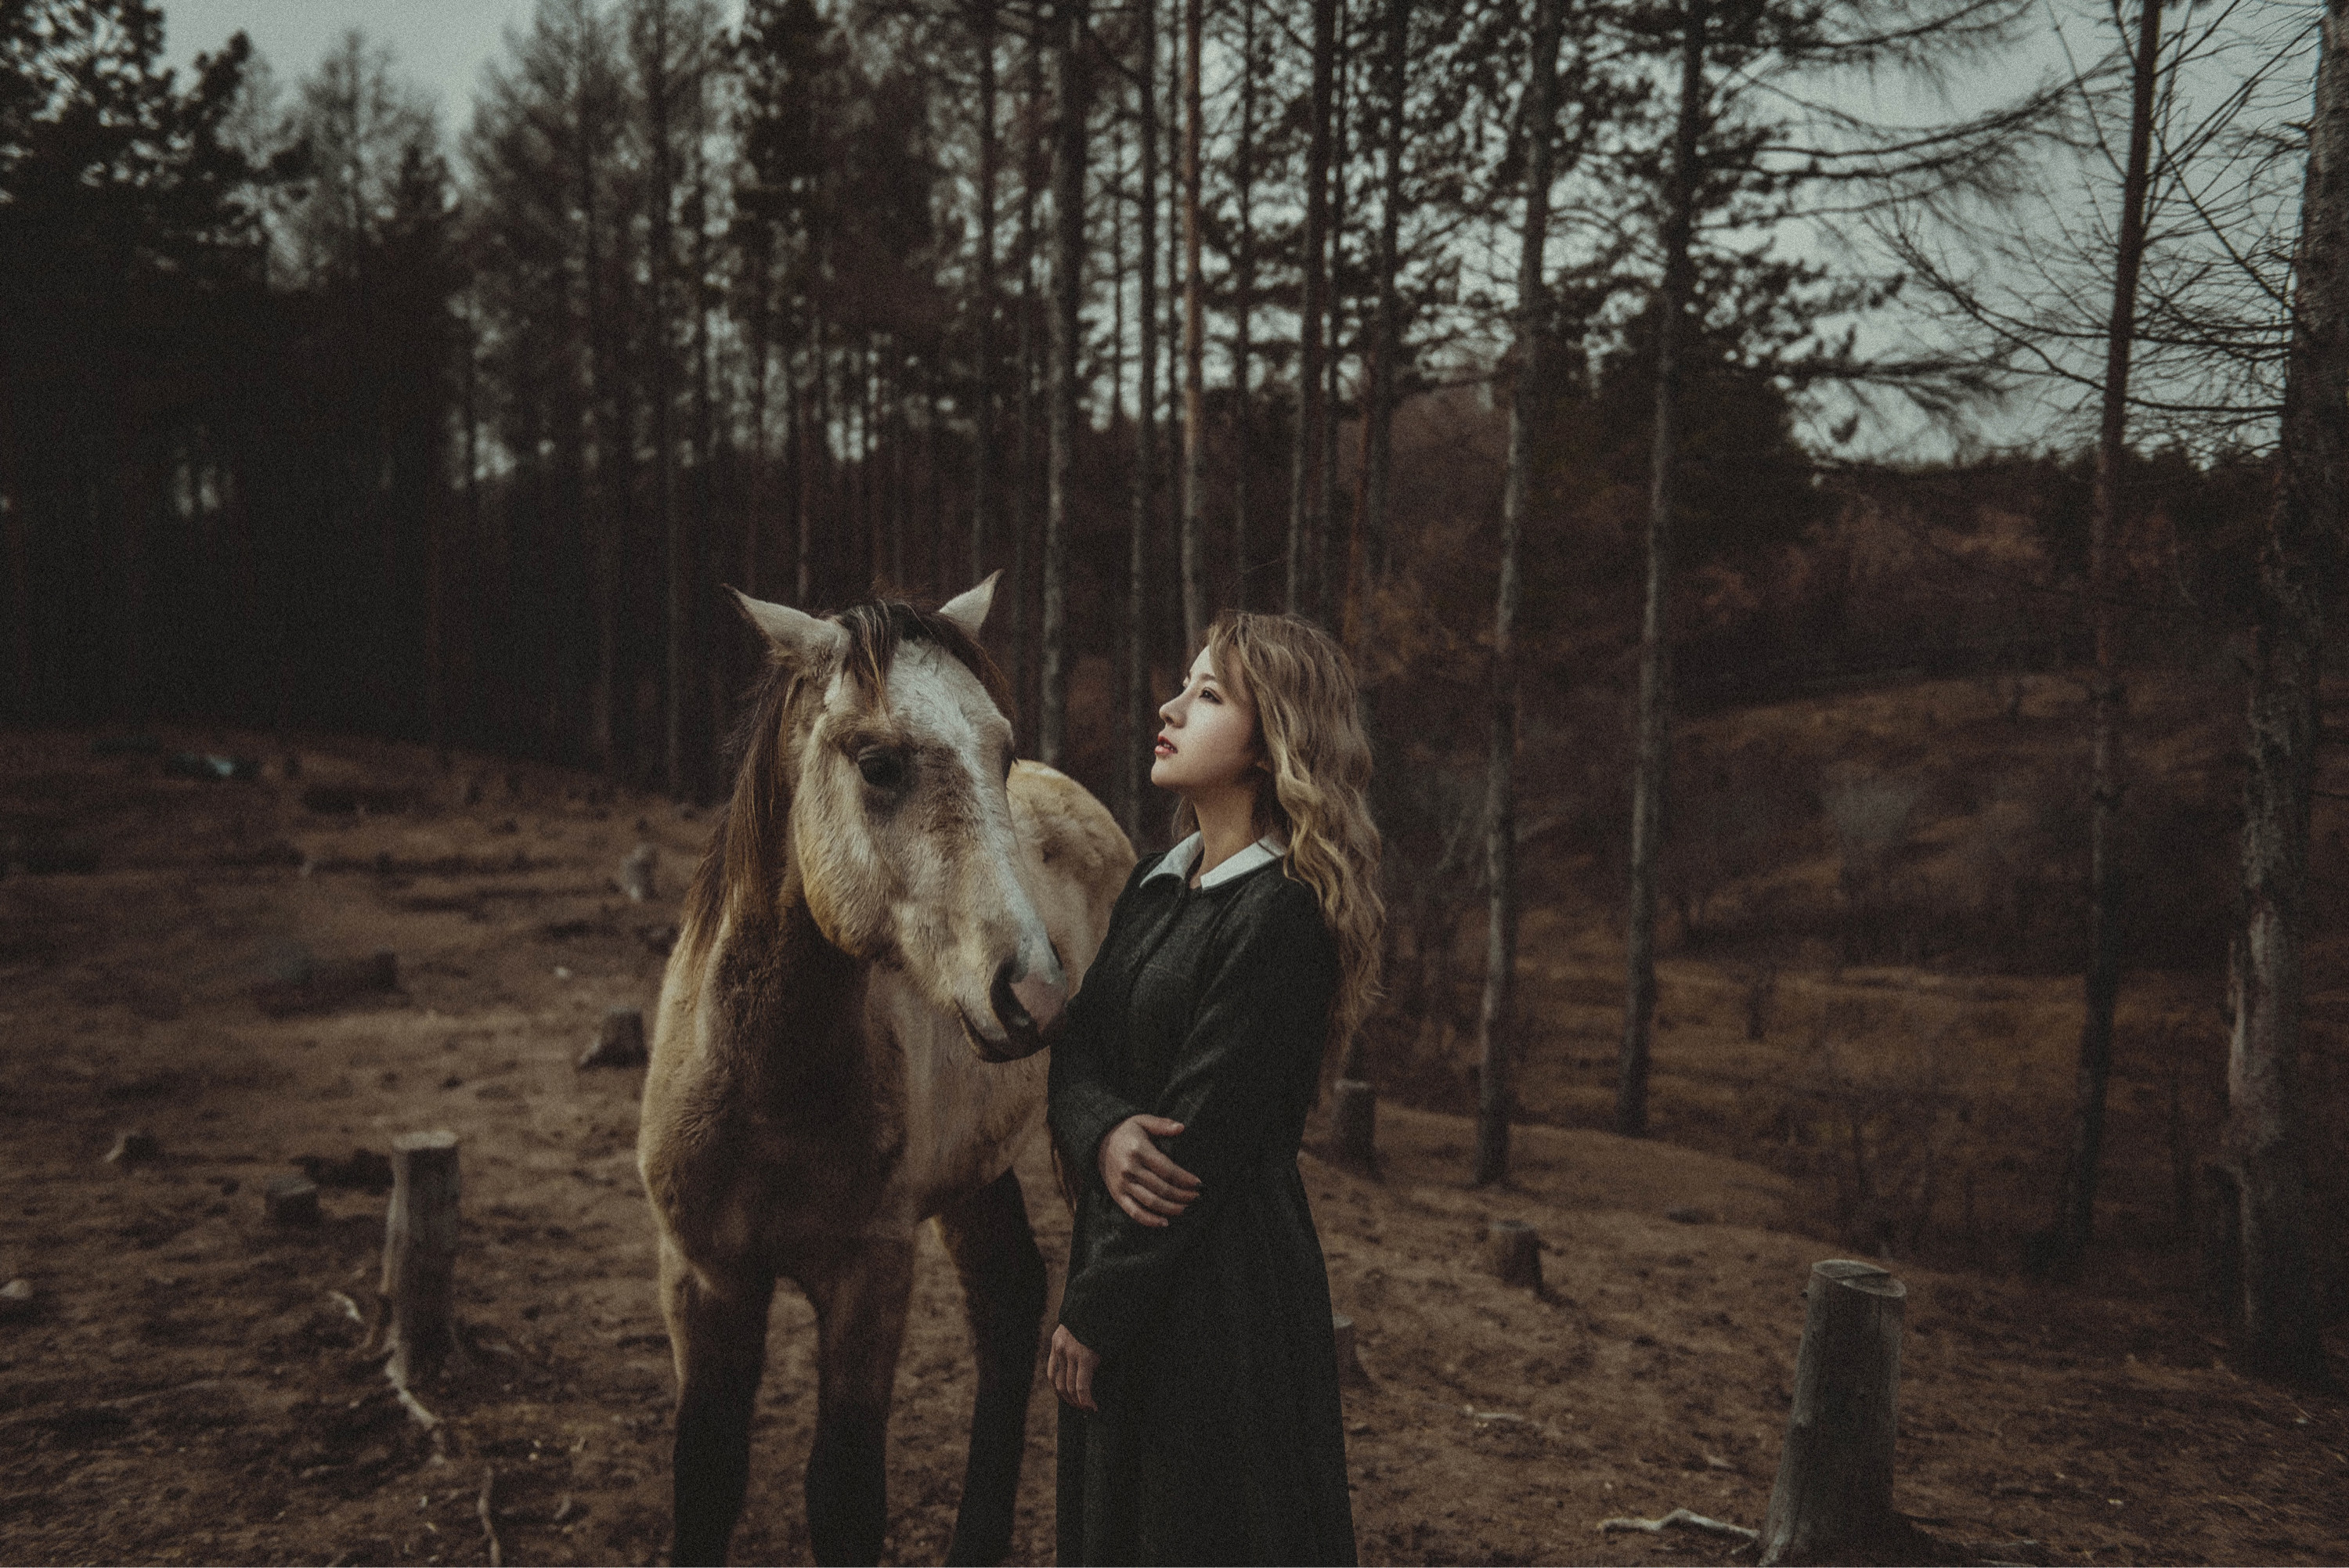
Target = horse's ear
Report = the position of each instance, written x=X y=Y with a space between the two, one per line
x=967 y=609
x=799 y=638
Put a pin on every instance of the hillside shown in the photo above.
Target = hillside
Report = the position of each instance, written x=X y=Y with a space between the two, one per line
x=186 y=1387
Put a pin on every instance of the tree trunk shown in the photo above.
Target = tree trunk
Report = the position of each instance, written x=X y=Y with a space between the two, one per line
x=435 y=639
x=895 y=430
x=1243 y=307
x=702 y=754
x=16 y=538
x=813 y=452
x=2075 y=1216
x=1377 y=428
x=670 y=518
x=1068 y=333
x=1326 y=548
x=1354 y=1121
x=1654 y=745
x=1145 y=429
x=1311 y=306
x=1196 y=605
x=1495 y=1021
x=600 y=522
x=873 y=529
x=1023 y=492
x=474 y=592
x=2272 y=1308
x=942 y=583
x=762 y=355
x=787 y=487
x=15 y=553
x=982 y=444
x=1167 y=602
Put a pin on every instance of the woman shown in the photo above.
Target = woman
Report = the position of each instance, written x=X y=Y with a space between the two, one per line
x=1194 y=1357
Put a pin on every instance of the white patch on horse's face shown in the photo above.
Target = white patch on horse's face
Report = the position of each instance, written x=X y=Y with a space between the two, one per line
x=906 y=846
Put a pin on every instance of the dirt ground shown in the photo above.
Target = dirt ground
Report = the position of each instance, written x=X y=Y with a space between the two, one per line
x=187 y=1387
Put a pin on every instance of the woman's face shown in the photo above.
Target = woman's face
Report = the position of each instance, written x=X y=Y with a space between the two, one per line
x=1209 y=742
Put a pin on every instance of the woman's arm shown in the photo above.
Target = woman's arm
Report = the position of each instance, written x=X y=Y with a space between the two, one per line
x=1082 y=1103
x=1247 y=1067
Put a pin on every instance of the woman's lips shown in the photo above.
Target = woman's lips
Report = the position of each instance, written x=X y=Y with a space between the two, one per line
x=1165 y=747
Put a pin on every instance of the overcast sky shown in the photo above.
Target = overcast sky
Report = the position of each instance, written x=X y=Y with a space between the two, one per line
x=440 y=44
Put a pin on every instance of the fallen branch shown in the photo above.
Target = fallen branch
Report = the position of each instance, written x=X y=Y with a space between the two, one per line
x=432 y=1424
x=482 y=1507
x=1680 y=1518
x=1474 y=1414
x=415 y=1406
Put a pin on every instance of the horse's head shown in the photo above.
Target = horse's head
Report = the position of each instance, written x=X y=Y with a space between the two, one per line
x=900 y=819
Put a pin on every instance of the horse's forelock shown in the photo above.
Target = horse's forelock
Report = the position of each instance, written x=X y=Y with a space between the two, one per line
x=875 y=629
x=746 y=859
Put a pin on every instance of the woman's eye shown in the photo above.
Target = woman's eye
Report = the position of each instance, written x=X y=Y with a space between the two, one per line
x=882 y=770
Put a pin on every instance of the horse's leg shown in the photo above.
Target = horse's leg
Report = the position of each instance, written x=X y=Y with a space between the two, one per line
x=860 y=1307
x=718 y=1331
x=1003 y=1289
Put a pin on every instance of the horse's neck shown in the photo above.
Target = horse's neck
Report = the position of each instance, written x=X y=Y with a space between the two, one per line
x=846 y=1056
x=787 y=993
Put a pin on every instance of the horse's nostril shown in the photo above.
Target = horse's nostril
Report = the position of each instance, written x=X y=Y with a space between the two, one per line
x=1041 y=999
x=1008 y=1010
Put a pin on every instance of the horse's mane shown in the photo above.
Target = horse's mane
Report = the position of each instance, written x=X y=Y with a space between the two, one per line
x=745 y=861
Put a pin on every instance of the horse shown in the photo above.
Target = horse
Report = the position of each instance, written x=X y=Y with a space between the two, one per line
x=880 y=938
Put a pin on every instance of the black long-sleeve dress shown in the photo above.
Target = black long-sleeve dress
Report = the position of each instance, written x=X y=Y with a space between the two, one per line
x=1219 y=1436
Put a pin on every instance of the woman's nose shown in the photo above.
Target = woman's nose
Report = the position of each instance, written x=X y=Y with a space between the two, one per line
x=1170 y=710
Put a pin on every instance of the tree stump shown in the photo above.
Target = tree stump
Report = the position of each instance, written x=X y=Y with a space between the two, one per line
x=1513 y=1248
x=135 y=1146
x=420 y=1255
x=291 y=1200
x=1349 y=1362
x=1833 y=1500
x=619 y=1042
x=1354 y=1123
x=636 y=872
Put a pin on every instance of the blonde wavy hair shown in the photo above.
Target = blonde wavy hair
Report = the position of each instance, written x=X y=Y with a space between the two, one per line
x=1310 y=724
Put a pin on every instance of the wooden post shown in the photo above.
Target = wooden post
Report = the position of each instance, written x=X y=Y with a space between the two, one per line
x=291 y=1200
x=1833 y=1500
x=1354 y=1120
x=1514 y=1250
x=619 y=1043
x=420 y=1253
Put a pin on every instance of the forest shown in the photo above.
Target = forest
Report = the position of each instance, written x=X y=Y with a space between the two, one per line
x=1838 y=508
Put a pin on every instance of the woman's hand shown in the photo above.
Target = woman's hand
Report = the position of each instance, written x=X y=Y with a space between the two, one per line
x=1070 y=1365
x=1147 y=1185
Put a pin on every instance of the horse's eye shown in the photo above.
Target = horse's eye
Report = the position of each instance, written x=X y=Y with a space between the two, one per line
x=882 y=770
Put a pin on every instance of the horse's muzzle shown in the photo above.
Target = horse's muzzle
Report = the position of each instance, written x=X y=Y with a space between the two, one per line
x=1028 y=1008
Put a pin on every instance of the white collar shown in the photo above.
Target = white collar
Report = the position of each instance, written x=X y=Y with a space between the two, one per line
x=1179 y=861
